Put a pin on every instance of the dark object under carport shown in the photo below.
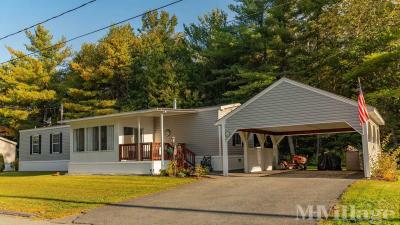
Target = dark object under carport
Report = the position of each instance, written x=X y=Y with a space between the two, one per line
x=330 y=161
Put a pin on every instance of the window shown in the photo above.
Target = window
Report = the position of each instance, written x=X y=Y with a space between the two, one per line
x=55 y=143
x=103 y=137
x=107 y=137
x=79 y=140
x=92 y=138
x=36 y=144
x=128 y=131
x=236 y=139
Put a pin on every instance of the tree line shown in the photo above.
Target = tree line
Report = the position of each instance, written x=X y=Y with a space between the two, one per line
x=328 y=44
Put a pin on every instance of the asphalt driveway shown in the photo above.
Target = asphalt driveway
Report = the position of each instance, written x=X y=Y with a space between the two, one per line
x=230 y=200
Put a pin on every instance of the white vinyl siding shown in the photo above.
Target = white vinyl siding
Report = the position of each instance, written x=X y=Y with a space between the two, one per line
x=46 y=153
x=290 y=104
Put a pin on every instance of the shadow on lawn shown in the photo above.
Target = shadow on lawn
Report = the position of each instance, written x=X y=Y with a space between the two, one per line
x=26 y=174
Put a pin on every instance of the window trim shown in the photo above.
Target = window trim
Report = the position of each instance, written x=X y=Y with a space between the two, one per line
x=59 y=143
x=38 y=144
x=86 y=146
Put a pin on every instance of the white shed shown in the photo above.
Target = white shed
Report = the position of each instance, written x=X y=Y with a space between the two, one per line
x=7 y=149
x=288 y=108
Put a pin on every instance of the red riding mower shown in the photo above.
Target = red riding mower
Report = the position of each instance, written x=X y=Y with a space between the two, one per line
x=298 y=162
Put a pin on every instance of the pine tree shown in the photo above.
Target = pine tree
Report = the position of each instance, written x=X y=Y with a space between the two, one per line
x=30 y=89
x=161 y=65
x=98 y=81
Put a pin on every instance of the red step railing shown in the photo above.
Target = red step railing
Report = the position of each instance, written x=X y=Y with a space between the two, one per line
x=188 y=156
x=147 y=150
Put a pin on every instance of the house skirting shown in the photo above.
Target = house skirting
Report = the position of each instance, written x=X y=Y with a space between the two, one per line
x=53 y=165
x=235 y=162
x=127 y=167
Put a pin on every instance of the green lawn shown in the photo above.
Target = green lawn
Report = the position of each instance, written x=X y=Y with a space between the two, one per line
x=50 y=196
x=371 y=195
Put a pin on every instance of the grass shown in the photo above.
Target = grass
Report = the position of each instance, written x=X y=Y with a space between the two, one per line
x=49 y=196
x=371 y=195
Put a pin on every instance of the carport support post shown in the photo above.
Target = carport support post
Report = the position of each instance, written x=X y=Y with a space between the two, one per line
x=261 y=154
x=275 y=142
x=367 y=169
x=225 y=167
x=244 y=136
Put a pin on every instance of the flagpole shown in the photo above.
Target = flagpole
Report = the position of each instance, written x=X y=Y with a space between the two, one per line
x=364 y=136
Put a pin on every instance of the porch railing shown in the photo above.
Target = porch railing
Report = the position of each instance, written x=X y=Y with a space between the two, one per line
x=128 y=152
x=143 y=152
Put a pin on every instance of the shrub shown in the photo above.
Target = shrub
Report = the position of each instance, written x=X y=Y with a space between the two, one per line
x=181 y=174
x=1 y=163
x=163 y=173
x=200 y=171
x=385 y=167
x=171 y=169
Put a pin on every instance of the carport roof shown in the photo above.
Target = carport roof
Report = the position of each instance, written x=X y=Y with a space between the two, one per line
x=319 y=128
x=372 y=111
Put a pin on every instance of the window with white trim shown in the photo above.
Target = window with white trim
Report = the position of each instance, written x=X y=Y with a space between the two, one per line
x=56 y=143
x=36 y=144
x=92 y=138
x=79 y=140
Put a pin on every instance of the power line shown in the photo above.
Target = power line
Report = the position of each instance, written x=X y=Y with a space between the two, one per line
x=47 y=20
x=94 y=31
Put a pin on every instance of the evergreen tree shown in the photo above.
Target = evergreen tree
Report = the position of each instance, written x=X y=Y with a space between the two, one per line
x=361 y=39
x=98 y=81
x=31 y=86
x=161 y=65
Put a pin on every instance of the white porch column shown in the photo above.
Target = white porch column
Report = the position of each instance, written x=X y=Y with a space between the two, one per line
x=244 y=136
x=138 y=138
x=275 y=142
x=117 y=132
x=260 y=153
x=364 y=136
x=162 y=139
x=219 y=141
x=225 y=166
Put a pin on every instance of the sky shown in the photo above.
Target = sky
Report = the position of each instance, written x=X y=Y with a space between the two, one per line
x=17 y=14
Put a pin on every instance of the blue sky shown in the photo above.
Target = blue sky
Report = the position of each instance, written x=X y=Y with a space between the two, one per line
x=17 y=14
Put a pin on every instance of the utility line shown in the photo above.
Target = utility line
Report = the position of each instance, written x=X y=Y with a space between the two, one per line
x=94 y=31
x=47 y=20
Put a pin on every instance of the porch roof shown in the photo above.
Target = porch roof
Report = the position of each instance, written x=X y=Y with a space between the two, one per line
x=145 y=113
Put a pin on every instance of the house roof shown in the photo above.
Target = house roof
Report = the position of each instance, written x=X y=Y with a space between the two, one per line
x=44 y=128
x=9 y=141
x=145 y=112
x=372 y=111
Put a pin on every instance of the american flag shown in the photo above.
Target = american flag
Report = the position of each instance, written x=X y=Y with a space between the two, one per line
x=362 y=107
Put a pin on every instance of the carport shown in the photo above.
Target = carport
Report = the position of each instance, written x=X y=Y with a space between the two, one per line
x=288 y=108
